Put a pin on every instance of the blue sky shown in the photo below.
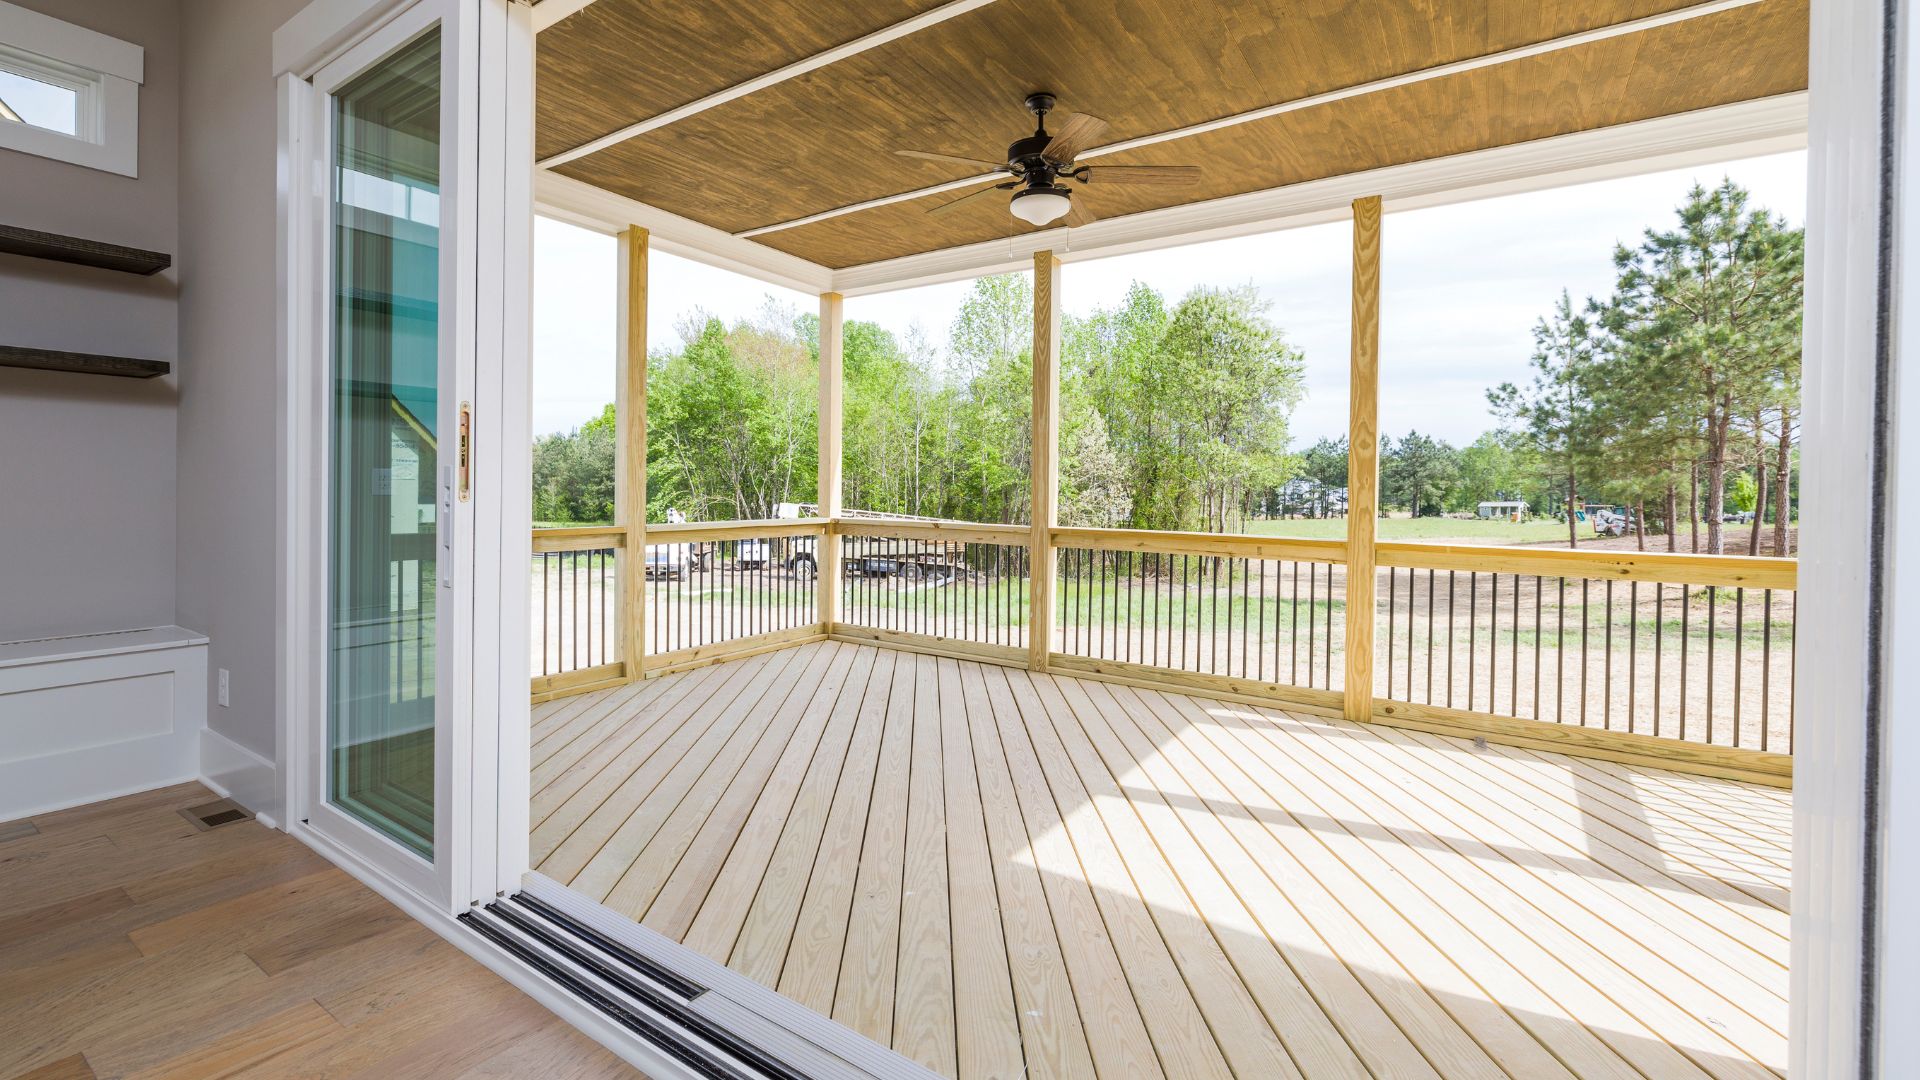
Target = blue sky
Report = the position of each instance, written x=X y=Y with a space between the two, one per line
x=1462 y=286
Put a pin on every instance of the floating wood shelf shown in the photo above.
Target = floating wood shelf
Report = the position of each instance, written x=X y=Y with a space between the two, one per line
x=72 y=249
x=124 y=367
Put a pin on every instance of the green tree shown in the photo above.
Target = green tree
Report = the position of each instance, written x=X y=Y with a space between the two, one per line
x=1710 y=312
x=1495 y=466
x=1417 y=472
x=573 y=473
x=1555 y=411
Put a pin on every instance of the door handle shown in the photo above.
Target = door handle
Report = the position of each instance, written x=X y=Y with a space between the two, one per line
x=466 y=451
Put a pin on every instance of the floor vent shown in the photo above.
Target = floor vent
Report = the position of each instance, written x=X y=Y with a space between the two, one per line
x=215 y=814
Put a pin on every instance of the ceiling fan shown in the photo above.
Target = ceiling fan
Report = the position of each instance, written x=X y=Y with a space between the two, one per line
x=1041 y=161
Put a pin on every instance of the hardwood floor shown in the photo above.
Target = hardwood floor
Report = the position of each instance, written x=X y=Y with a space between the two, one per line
x=993 y=871
x=134 y=945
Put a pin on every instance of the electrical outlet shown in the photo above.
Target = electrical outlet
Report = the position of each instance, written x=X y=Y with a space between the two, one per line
x=223 y=689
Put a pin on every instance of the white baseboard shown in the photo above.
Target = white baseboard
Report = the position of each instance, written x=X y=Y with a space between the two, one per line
x=99 y=716
x=241 y=775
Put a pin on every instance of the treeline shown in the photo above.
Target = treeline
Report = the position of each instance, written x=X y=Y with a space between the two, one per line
x=1684 y=379
x=1171 y=416
x=1681 y=388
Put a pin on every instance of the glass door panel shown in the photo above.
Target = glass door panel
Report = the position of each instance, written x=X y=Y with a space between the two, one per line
x=384 y=430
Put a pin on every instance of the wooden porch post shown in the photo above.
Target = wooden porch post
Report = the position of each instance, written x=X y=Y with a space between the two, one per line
x=827 y=548
x=1363 y=458
x=1045 y=456
x=630 y=437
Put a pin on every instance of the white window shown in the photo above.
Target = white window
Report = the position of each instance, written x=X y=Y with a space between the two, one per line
x=69 y=93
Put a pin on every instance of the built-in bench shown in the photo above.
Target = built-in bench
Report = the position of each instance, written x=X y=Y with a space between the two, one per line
x=94 y=716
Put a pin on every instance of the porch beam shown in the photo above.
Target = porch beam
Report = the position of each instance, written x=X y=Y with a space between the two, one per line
x=1265 y=112
x=1363 y=458
x=772 y=78
x=1045 y=457
x=827 y=550
x=630 y=438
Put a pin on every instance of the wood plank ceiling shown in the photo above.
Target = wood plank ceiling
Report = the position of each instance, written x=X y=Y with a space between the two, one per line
x=824 y=139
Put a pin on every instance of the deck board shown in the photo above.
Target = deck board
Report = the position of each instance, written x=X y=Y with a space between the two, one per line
x=1000 y=873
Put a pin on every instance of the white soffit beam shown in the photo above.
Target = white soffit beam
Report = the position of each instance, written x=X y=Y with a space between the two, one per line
x=772 y=78
x=1723 y=133
x=1441 y=71
x=548 y=12
x=566 y=199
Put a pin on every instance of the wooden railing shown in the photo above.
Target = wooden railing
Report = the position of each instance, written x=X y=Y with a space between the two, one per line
x=576 y=615
x=1681 y=660
x=1582 y=647
x=718 y=589
x=948 y=586
x=1247 y=614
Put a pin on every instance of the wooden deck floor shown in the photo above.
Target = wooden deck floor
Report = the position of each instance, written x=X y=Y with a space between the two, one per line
x=993 y=872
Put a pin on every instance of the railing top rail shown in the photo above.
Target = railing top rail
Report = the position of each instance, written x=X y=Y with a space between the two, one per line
x=952 y=531
x=1228 y=545
x=1733 y=571
x=688 y=531
x=583 y=538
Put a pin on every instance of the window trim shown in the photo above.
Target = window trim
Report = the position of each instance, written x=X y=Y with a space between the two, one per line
x=107 y=73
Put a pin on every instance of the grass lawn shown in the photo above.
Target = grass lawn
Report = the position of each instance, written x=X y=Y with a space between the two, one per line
x=1465 y=530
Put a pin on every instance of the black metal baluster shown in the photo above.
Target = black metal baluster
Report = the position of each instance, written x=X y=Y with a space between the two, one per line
x=1586 y=623
x=1633 y=651
x=1392 y=594
x=1659 y=636
x=1739 y=632
x=1473 y=628
x=1430 y=586
x=1686 y=611
x=1450 y=579
x=1606 y=669
x=1713 y=631
x=1293 y=637
x=1766 y=664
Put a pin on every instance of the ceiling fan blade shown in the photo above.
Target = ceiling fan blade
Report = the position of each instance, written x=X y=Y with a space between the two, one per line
x=1163 y=175
x=953 y=159
x=969 y=197
x=1080 y=133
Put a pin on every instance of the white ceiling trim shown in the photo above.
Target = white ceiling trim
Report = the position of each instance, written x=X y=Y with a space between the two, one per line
x=582 y=204
x=1441 y=71
x=548 y=12
x=1723 y=133
x=772 y=78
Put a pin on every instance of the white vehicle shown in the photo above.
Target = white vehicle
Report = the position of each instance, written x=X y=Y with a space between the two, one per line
x=800 y=556
x=751 y=554
x=670 y=560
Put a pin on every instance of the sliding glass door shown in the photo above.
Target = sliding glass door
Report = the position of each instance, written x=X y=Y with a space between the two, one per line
x=404 y=217
x=385 y=429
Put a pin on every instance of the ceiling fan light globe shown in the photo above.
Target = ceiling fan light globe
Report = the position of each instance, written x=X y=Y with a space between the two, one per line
x=1039 y=206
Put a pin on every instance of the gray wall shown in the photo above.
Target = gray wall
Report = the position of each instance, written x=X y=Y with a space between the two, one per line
x=229 y=428
x=87 y=463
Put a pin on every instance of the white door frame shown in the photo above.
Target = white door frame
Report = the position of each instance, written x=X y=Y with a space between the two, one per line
x=485 y=237
x=1844 y=869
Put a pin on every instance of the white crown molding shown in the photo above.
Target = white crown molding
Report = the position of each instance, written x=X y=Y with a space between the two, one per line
x=1724 y=133
x=325 y=28
x=578 y=203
